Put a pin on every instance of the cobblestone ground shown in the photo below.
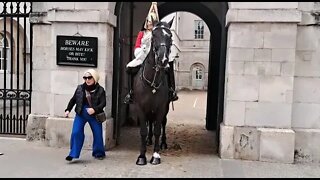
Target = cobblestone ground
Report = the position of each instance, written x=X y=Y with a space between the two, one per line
x=191 y=153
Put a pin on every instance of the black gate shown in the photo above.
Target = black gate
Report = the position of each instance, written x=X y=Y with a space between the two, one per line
x=15 y=67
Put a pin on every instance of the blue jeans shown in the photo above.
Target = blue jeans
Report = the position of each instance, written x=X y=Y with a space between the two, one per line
x=77 y=135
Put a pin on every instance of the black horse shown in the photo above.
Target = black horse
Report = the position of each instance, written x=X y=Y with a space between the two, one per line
x=163 y=143
x=152 y=89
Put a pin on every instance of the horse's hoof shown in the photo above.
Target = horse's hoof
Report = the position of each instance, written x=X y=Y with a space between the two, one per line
x=155 y=161
x=141 y=161
x=163 y=146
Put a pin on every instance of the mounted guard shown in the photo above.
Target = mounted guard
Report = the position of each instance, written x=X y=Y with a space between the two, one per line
x=142 y=48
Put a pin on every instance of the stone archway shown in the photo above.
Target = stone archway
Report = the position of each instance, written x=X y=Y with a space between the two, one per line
x=213 y=13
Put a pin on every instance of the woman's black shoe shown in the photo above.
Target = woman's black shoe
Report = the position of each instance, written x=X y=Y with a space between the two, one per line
x=69 y=158
x=100 y=157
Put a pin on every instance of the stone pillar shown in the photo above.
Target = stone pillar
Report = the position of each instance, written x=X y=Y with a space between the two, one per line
x=261 y=52
x=53 y=85
x=306 y=96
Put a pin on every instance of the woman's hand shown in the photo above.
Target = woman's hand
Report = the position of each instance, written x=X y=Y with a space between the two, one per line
x=66 y=114
x=90 y=111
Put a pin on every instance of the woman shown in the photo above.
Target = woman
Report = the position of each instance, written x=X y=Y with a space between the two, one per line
x=142 y=48
x=85 y=113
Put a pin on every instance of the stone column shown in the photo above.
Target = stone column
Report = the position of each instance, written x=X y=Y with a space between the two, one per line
x=306 y=96
x=261 y=52
x=53 y=85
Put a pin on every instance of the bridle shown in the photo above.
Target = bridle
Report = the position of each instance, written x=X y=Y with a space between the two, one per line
x=157 y=67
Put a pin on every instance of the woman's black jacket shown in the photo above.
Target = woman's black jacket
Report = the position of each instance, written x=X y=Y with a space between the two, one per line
x=98 y=99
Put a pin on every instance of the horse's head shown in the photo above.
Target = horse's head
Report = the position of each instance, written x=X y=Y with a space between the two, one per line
x=161 y=42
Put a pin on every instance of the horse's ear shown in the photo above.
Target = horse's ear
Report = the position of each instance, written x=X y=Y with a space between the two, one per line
x=170 y=22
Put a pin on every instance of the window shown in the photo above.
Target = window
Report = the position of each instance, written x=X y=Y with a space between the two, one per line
x=198 y=72
x=198 y=29
x=3 y=62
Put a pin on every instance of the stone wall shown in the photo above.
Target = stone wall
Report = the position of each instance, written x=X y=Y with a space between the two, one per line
x=54 y=85
x=306 y=94
x=260 y=64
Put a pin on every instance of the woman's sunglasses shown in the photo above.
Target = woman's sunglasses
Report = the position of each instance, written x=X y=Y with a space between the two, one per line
x=87 y=77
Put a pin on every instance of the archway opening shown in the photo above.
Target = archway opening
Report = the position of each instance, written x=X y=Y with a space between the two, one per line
x=212 y=13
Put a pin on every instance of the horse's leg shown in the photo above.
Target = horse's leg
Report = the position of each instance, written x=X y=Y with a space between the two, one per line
x=150 y=134
x=163 y=144
x=142 y=159
x=157 y=131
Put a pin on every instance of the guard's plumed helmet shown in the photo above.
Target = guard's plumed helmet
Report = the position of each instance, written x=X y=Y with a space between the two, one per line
x=152 y=17
x=152 y=14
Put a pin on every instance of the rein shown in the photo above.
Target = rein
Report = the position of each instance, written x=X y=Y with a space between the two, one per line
x=157 y=69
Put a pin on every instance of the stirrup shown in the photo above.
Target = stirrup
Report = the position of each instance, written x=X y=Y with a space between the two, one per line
x=173 y=96
x=128 y=99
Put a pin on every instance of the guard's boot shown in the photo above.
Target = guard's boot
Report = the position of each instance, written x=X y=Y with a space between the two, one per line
x=128 y=99
x=172 y=85
x=173 y=95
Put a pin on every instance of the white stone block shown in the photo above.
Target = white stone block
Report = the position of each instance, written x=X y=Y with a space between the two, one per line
x=306 y=145
x=277 y=145
x=91 y=5
x=287 y=69
x=302 y=55
x=307 y=64
x=74 y=16
x=35 y=128
x=242 y=38
x=235 y=68
x=250 y=27
x=262 y=55
x=41 y=103
x=262 y=16
x=265 y=114
x=240 y=54
x=58 y=133
x=269 y=15
x=64 y=82
x=306 y=90
x=60 y=29
x=234 y=113
x=246 y=142
x=281 y=36
x=226 y=147
x=306 y=115
x=43 y=36
x=307 y=18
x=306 y=38
x=275 y=88
x=306 y=6
x=94 y=30
x=242 y=88
x=60 y=5
x=60 y=104
x=262 y=68
x=263 y=5
x=41 y=58
x=108 y=134
x=39 y=6
x=40 y=80
x=283 y=55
